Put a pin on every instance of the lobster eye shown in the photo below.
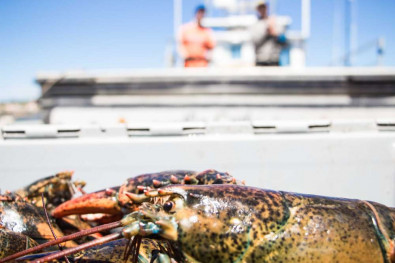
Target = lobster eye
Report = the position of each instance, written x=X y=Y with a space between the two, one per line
x=169 y=206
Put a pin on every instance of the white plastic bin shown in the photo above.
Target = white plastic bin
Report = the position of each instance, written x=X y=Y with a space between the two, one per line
x=343 y=159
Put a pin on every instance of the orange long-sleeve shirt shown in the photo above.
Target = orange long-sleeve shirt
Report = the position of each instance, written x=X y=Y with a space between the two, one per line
x=195 y=41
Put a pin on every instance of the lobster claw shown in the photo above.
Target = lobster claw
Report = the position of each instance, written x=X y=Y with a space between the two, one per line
x=99 y=202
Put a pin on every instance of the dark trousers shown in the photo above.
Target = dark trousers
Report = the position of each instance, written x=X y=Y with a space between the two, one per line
x=266 y=64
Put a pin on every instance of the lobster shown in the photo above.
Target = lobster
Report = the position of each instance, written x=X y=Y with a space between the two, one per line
x=235 y=223
x=114 y=202
x=111 y=204
x=23 y=225
x=11 y=242
x=56 y=189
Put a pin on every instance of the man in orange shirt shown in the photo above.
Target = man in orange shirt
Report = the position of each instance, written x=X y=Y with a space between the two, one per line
x=196 y=41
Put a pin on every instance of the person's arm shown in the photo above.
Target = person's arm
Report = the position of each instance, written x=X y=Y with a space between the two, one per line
x=282 y=40
x=258 y=34
x=210 y=41
x=275 y=32
x=181 y=42
x=271 y=27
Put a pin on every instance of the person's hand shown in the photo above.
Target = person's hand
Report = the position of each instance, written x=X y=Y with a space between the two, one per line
x=271 y=26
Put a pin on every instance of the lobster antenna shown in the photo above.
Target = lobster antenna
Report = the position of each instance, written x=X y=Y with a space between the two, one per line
x=62 y=240
x=73 y=250
x=50 y=225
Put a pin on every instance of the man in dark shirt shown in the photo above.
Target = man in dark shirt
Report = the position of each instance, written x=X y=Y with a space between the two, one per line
x=267 y=39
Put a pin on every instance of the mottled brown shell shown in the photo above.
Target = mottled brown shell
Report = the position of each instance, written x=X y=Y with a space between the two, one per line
x=22 y=217
x=229 y=223
x=12 y=242
x=172 y=177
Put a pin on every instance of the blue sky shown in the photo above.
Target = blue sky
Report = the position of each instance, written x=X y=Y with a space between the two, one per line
x=106 y=34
